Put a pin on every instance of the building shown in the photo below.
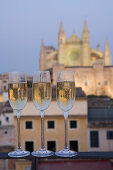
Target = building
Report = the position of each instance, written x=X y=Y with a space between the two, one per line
x=73 y=51
x=100 y=124
x=54 y=126
x=3 y=82
x=93 y=69
x=7 y=134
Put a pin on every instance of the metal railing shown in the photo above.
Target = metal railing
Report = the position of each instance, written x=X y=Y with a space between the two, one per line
x=80 y=155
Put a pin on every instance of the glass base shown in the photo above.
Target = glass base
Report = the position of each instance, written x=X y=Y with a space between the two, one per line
x=42 y=153
x=18 y=153
x=65 y=153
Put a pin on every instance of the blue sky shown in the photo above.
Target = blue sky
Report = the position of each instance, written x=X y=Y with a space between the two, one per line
x=25 y=23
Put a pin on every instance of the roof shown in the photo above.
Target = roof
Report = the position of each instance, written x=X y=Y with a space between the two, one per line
x=49 y=47
x=6 y=108
x=73 y=39
x=100 y=102
x=100 y=114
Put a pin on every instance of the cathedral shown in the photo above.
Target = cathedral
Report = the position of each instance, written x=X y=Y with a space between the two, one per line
x=93 y=69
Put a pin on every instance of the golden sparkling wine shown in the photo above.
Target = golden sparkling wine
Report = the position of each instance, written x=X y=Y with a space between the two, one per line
x=65 y=95
x=42 y=95
x=17 y=93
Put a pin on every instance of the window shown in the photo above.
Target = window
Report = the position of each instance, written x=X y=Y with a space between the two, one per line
x=7 y=119
x=73 y=124
x=0 y=123
x=28 y=124
x=73 y=145
x=109 y=134
x=4 y=81
x=51 y=145
x=51 y=124
x=27 y=168
x=29 y=146
x=105 y=82
x=61 y=41
x=99 y=83
x=4 y=88
x=85 y=83
x=5 y=132
x=94 y=139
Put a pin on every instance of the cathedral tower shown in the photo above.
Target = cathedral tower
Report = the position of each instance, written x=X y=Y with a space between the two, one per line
x=85 y=46
x=107 y=57
x=61 y=43
x=42 y=57
x=61 y=35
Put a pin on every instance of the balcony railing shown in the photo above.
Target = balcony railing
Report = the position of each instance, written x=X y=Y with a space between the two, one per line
x=81 y=155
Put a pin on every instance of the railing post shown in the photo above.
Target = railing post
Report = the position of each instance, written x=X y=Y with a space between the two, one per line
x=33 y=166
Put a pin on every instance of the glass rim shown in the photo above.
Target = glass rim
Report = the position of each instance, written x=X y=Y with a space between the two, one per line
x=37 y=73
x=42 y=71
x=71 y=71
x=16 y=73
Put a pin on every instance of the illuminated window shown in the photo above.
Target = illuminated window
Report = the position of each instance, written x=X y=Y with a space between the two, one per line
x=86 y=83
x=105 y=82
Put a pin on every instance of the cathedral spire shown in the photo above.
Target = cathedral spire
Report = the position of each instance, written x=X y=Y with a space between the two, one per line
x=107 y=56
x=98 y=47
x=85 y=33
x=61 y=30
x=42 y=44
x=61 y=35
x=106 y=48
x=85 y=29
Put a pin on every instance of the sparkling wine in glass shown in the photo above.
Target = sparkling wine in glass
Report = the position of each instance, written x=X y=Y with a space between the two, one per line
x=17 y=94
x=42 y=99
x=65 y=93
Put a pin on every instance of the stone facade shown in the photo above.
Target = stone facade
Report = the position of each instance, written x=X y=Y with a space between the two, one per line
x=73 y=51
x=93 y=69
x=94 y=80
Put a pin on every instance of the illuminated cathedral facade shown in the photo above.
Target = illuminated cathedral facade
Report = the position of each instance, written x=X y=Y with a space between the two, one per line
x=93 y=68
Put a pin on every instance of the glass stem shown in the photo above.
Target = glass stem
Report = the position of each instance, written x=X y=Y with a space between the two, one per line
x=42 y=130
x=65 y=122
x=18 y=130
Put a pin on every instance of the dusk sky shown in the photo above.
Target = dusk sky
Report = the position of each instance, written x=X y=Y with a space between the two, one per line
x=25 y=23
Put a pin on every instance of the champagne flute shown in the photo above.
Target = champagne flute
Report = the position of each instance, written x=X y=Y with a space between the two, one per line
x=65 y=94
x=17 y=94
x=42 y=98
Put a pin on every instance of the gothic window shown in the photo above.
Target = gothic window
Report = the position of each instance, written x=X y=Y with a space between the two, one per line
x=105 y=82
x=86 y=83
x=99 y=83
x=61 y=41
x=7 y=119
